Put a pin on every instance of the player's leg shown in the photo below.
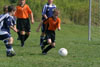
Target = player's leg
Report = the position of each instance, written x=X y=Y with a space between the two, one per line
x=42 y=37
x=8 y=43
x=44 y=44
x=22 y=38
x=18 y=33
x=51 y=42
x=27 y=29
x=21 y=28
x=26 y=36
x=48 y=47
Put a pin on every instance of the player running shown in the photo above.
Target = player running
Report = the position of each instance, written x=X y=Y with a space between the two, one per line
x=51 y=24
x=23 y=24
x=5 y=25
x=47 y=12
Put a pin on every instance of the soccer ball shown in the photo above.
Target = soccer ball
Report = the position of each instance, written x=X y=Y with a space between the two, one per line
x=63 y=52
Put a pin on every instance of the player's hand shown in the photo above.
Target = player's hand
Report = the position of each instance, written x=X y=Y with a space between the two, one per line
x=32 y=21
x=15 y=30
x=59 y=29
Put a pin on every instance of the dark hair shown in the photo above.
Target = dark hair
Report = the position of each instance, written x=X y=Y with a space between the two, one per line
x=5 y=8
x=11 y=8
x=56 y=11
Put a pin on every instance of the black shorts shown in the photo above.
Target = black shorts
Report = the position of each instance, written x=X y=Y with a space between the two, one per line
x=23 y=25
x=50 y=35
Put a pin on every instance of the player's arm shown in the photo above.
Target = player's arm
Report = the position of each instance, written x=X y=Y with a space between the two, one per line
x=45 y=16
x=14 y=28
x=32 y=18
x=11 y=25
x=45 y=22
x=58 y=26
x=44 y=12
x=14 y=21
x=31 y=14
x=37 y=30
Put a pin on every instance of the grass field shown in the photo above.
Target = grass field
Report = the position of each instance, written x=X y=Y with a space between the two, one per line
x=82 y=53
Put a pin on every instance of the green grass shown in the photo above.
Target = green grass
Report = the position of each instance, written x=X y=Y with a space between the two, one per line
x=82 y=53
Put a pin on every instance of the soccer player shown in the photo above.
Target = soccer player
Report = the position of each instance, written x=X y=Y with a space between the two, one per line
x=47 y=12
x=5 y=25
x=23 y=24
x=51 y=24
x=5 y=9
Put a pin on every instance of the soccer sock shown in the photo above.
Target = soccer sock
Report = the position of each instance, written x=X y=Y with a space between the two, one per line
x=18 y=34
x=41 y=40
x=45 y=43
x=26 y=36
x=5 y=41
x=47 y=49
x=9 y=47
x=22 y=40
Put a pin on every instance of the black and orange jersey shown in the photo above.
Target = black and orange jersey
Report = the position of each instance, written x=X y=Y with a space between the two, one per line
x=52 y=24
x=23 y=12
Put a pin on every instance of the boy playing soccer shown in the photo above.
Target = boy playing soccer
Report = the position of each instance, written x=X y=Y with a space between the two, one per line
x=51 y=24
x=46 y=13
x=5 y=25
x=23 y=24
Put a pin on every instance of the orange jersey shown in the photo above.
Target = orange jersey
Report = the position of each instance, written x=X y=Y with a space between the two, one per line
x=52 y=24
x=23 y=12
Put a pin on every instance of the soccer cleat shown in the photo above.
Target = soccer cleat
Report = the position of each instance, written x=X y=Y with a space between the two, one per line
x=44 y=53
x=10 y=54
x=22 y=45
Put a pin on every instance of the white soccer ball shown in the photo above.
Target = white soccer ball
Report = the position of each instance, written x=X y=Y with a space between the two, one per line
x=63 y=52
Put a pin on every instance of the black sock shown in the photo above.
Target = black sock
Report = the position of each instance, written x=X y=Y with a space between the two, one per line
x=8 y=46
x=22 y=40
x=41 y=40
x=18 y=34
x=47 y=49
x=45 y=43
x=26 y=36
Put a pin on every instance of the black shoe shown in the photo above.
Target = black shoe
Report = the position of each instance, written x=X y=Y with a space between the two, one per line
x=44 y=53
x=10 y=54
x=22 y=45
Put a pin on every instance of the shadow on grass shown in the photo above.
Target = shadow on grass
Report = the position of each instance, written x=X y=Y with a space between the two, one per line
x=26 y=45
x=39 y=54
